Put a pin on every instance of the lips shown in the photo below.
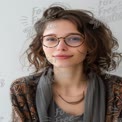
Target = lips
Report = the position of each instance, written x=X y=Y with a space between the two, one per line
x=62 y=56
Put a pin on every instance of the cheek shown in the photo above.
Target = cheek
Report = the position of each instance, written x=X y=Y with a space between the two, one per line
x=82 y=49
x=48 y=53
x=82 y=52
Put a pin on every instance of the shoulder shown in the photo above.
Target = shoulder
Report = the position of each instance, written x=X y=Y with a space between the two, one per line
x=113 y=84
x=110 y=79
x=20 y=85
x=22 y=94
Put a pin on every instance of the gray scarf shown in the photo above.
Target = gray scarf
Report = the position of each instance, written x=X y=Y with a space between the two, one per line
x=94 y=100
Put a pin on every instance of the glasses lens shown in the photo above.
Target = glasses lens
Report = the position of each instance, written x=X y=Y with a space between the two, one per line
x=50 y=41
x=74 y=40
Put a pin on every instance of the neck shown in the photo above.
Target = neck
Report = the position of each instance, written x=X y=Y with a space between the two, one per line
x=71 y=77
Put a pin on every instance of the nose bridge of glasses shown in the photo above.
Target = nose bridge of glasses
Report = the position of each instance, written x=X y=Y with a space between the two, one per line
x=63 y=40
x=59 y=38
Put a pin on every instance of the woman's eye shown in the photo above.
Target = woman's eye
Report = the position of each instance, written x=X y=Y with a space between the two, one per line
x=75 y=39
x=50 y=39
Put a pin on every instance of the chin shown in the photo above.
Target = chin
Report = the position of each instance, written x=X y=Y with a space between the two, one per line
x=62 y=65
x=65 y=65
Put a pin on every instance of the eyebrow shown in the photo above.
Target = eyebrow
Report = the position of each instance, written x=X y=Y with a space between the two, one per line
x=52 y=34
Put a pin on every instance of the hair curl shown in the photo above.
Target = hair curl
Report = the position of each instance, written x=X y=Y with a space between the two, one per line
x=101 y=43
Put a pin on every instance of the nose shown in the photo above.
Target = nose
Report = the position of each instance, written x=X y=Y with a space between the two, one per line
x=62 y=45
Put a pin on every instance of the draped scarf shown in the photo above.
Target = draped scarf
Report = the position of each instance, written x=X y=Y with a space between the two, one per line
x=94 y=99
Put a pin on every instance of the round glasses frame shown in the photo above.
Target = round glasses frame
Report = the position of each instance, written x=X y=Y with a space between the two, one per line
x=58 y=40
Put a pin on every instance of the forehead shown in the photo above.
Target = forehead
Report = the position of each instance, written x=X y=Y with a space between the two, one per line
x=60 y=27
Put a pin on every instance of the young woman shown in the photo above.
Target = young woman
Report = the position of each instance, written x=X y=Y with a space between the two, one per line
x=71 y=56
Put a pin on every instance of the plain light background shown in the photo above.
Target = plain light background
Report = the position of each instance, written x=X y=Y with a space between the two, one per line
x=16 y=22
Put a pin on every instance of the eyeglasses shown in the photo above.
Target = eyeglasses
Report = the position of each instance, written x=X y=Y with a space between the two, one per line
x=72 y=40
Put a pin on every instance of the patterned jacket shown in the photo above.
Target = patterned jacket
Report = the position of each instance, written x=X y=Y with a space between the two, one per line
x=23 y=92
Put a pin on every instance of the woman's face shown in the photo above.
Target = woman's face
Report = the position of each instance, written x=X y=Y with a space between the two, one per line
x=76 y=55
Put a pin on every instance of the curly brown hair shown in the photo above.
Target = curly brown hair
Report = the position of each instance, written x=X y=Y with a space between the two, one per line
x=101 y=43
